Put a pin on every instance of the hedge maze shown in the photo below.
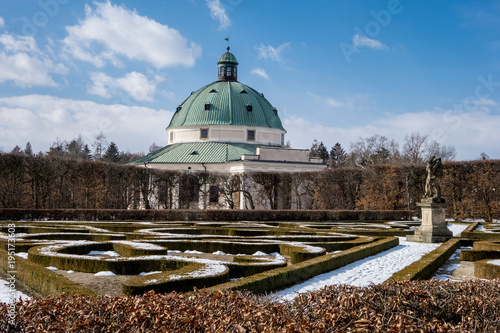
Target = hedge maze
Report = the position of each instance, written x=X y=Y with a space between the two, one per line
x=184 y=256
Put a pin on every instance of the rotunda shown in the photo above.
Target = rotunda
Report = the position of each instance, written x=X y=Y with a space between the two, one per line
x=228 y=127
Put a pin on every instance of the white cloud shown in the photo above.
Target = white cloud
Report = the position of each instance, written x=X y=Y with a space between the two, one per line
x=362 y=41
x=109 y=32
x=135 y=84
x=272 y=53
x=217 y=12
x=22 y=62
x=483 y=102
x=470 y=134
x=260 y=72
x=336 y=103
x=18 y=43
x=2 y=22
x=356 y=101
x=42 y=119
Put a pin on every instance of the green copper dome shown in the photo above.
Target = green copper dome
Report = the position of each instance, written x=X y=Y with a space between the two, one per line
x=227 y=58
x=226 y=103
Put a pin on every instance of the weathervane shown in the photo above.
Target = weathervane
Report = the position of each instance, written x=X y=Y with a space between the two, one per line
x=227 y=39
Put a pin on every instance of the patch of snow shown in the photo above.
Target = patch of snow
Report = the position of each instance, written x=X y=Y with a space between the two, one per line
x=219 y=253
x=480 y=228
x=104 y=253
x=260 y=253
x=193 y=252
x=312 y=249
x=141 y=245
x=70 y=272
x=209 y=269
x=457 y=229
x=151 y=281
x=494 y=262
x=8 y=295
x=174 y=251
x=375 y=269
x=23 y=255
x=149 y=273
x=277 y=255
x=51 y=268
x=104 y=273
x=473 y=220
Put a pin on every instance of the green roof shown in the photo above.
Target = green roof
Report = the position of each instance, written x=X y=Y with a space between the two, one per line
x=199 y=152
x=227 y=58
x=227 y=103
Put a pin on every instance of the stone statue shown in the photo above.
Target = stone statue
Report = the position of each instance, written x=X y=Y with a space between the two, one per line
x=432 y=183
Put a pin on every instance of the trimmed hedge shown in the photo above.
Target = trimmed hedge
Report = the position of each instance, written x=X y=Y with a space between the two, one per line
x=139 y=285
x=201 y=215
x=482 y=250
x=281 y=277
x=42 y=280
x=484 y=270
x=473 y=234
x=429 y=263
x=94 y=265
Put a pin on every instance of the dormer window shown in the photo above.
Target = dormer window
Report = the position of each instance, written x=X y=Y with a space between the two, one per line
x=243 y=91
x=249 y=108
x=178 y=108
x=275 y=111
x=207 y=107
x=204 y=133
x=251 y=135
x=213 y=91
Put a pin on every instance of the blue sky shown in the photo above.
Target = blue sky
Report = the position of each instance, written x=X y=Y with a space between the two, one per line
x=335 y=70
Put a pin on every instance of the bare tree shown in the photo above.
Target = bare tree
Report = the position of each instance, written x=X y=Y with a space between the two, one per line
x=446 y=153
x=154 y=147
x=376 y=149
x=100 y=143
x=414 y=148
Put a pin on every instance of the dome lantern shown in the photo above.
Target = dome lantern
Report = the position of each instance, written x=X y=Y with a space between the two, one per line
x=227 y=67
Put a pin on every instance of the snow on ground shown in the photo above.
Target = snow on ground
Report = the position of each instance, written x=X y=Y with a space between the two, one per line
x=149 y=273
x=104 y=273
x=23 y=255
x=4 y=293
x=457 y=229
x=142 y=246
x=447 y=271
x=104 y=253
x=375 y=269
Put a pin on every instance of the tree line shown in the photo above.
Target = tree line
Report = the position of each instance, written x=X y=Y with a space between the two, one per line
x=78 y=149
x=50 y=182
x=378 y=149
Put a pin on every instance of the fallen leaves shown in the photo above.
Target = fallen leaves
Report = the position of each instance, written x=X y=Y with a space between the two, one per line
x=409 y=306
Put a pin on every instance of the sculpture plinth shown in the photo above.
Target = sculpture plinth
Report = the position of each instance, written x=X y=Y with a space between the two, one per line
x=433 y=228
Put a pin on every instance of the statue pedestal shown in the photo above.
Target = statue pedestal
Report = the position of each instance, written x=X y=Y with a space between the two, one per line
x=433 y=228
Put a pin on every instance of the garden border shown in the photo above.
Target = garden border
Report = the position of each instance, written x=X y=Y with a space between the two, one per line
x=201 y=215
